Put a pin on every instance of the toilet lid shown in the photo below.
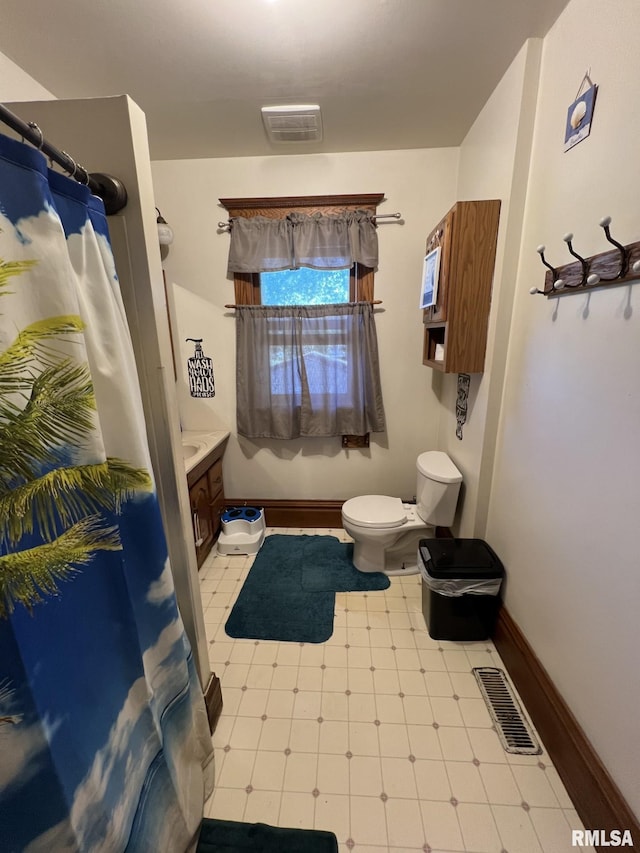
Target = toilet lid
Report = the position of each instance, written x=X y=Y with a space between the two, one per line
x=437 y=466
x=374 y=511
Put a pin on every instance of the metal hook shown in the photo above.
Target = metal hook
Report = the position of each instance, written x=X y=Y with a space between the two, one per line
x=75 y=165
x=604 y=223
x=34 y=126
x=84 y=172
x=558 y=284
x=583 y=261
x=540 y=250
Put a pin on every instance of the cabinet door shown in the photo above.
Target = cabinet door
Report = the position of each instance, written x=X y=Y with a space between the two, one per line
x=441 y=237
x=217 y=508
x=200 y=500
x=215 y=478
x=216 y=492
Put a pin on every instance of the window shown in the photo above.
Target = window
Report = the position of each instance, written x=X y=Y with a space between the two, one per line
x=303 y=271
x=305 y=287
x=321 y=349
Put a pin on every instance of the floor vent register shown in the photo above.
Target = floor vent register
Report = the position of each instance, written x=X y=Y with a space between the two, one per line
x=513 y=729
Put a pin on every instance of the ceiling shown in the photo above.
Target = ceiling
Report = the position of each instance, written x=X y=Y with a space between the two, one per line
x=388 y=74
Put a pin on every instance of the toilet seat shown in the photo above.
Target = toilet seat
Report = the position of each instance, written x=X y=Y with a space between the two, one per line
x=375 y=511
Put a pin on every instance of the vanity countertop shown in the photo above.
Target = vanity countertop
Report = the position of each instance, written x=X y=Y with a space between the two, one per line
x=197 y=444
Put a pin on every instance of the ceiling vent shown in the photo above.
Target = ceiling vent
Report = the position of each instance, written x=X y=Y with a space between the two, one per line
x=294 y=123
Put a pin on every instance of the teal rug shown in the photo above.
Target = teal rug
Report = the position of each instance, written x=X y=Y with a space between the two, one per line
x=327 y=566
x=289 y=593
x=229 y=836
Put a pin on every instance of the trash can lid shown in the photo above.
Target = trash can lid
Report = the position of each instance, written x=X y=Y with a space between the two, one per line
x=460 y=558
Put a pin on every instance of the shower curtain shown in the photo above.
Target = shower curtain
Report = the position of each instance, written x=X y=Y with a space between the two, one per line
x=104 y=741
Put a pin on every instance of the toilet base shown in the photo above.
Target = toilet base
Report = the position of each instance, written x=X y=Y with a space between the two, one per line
x=405 y=570
x=400 y=558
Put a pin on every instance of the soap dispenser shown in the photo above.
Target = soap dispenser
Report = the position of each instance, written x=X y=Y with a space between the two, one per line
x=200 y=370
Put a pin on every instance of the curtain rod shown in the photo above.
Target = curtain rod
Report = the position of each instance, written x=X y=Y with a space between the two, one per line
x=109 y=189
x=362 y=302
x=226 y=225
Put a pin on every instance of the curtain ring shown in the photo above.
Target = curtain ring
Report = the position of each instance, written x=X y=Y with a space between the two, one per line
x=75 y=165
x=84 y=183
x=34 y=126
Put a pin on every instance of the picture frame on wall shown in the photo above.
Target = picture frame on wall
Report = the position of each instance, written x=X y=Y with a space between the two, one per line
x=580 y=116
x=430 y=275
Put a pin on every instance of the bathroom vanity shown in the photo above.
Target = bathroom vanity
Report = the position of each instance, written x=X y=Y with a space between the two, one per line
x=203 y=452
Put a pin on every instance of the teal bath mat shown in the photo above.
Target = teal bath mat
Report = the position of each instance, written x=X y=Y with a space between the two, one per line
x=229 y=836
x=327 y=565
x=289 y=593
x=272 y=604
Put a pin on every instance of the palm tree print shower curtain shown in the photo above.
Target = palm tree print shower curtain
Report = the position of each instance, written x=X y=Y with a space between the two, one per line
x=104 y=742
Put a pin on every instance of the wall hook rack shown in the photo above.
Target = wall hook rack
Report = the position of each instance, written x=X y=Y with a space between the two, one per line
x=616 y=266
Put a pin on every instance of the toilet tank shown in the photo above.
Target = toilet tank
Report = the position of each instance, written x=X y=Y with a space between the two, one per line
x=438 y=486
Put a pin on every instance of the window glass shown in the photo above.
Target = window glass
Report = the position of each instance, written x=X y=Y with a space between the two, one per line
x=304 y=287
x=326 y=368
x=324 y=354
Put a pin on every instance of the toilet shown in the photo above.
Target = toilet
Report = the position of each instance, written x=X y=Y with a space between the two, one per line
x=386 y=531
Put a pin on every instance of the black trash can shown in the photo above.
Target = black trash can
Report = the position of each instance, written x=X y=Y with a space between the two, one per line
x=461 y=581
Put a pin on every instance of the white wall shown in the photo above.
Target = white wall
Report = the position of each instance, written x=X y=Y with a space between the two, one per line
x=419 y=184
x=494 y=163
x=17 y=85
x=564 y=504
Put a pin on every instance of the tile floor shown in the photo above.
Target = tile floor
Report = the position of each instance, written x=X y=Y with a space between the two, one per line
x=379 y=735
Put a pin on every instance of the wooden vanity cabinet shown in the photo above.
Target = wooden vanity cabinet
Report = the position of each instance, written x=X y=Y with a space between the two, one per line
x=202 y=518
x=206 y=498
x=216 y=493
x=455 y=328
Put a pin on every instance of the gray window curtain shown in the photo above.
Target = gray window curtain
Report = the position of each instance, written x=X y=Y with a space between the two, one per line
x=307 y=371
x=319 y=241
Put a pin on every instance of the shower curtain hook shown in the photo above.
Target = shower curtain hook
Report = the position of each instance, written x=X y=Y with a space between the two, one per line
x=75 y=165
x=34 y=126
x=82 y=169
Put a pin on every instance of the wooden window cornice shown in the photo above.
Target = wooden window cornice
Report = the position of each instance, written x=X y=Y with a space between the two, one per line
x=279 y=207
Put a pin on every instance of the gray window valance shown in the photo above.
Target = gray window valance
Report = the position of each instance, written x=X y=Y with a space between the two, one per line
x=319 y=241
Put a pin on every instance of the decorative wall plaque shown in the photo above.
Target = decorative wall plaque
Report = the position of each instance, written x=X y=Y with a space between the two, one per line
x=200 y=370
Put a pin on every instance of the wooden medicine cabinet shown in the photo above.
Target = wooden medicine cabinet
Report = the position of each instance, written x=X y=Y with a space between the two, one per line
x=455 y=328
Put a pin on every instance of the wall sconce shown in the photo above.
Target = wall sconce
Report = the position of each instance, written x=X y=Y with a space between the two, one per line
x=165 y=233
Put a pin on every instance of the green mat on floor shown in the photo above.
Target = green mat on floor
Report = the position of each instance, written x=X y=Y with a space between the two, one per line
x=289 y=593
x=229 y=836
